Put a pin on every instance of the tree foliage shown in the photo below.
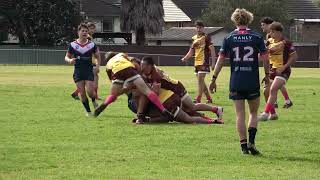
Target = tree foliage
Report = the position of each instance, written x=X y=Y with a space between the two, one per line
x=219 y=12
x=41 y=22
x=142 y=16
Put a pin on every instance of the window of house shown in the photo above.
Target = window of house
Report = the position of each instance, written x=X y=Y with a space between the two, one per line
x=180 y=24
x=158 y=42
x=107 y=25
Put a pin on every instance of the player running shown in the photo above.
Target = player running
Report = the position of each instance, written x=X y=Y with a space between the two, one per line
x=265 y=26
x=203 y=49
x=282 y=56
x=92 y=29
x=153 y=74
x=243 y=46
x=80 y=54
x=122 y=71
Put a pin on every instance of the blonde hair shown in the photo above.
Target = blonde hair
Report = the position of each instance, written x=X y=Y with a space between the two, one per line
x=241 y=17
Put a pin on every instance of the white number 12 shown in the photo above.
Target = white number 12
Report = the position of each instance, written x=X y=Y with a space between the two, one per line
x=246 y=57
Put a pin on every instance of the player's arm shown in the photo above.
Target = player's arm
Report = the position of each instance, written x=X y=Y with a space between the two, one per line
x=69 y=58
x=292 y=59
x=278 y=47
x=188 y=55
x=213 y=56
x=266 y=65
x=98 y=58
x=216 y=71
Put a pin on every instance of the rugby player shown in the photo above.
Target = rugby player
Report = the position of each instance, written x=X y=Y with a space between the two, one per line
x=92 y=29
x=80 y=54
x=122 y=71
x=265 y=26
x=153 y=74
x=243 y=46
x=203 y=50
x=282 y=56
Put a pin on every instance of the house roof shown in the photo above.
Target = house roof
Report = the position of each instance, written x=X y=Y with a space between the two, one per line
x=193 y=8
x=303 y=9
x=183 y=33
x=100 y=8
x=172 y=13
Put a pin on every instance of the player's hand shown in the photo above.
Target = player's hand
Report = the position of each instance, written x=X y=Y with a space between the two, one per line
x=72 y=61
x=280 y=70
x=156 y=87
x=213 y=87
x=265 y=80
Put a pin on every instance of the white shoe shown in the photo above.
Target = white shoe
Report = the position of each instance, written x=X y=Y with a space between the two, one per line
x=89 y=114
x=95 y=104
x=263 y=117
x=219 y=112
x=273 y=116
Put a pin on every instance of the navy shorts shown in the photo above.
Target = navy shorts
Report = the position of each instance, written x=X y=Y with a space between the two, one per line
x=81 y=75
x=244 y=95
x=131 y=104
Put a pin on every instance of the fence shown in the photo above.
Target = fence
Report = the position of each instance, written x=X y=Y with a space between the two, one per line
x=167 y=56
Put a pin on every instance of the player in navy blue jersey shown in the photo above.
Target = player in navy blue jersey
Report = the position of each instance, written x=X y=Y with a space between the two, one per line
x=80 y=54
x=244 y=47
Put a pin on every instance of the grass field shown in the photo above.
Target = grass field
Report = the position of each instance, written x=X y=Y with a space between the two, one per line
x=45 y=135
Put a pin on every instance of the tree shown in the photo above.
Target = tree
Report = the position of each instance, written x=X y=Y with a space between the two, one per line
x=41 y=22
x=219 y=11
x=142 y=16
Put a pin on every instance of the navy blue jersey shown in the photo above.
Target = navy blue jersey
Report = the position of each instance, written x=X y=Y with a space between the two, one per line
x=243 y=46
x=83 y=53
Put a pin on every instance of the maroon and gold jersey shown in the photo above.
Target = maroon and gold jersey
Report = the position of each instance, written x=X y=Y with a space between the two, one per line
x=279 y=52
x=201 y=45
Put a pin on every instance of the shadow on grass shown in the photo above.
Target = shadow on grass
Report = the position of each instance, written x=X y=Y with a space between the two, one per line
x=292 y=159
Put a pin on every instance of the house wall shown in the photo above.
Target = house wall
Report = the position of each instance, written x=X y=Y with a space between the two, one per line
x=178 y=24
x=311 y=32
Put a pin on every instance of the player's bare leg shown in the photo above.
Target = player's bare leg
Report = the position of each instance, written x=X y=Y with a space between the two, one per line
x=185 y=118
x=96 y=82
x=83 y=96
x=241 y=124
x=206 y=92
x=188 y=103
x=90 y=87
x=253 y=124
x=115 y=91
x=201 y=85
x=277 y=84
x=288 y=103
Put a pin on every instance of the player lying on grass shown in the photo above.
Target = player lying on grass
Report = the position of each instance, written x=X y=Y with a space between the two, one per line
x=92 y=29
x=122 y=71
x=265 y=26
x=243 y=46
x=282 y=56
x=153 y=74
x=171 y=101
x=80 y=54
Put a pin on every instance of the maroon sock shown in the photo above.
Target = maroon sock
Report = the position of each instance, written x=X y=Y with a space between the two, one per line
x=285 y=95
x=214 y=109
x=155 y=100
x=198 y=99
x=268 y=107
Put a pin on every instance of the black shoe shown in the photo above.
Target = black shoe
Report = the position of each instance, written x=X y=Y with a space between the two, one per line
x=75 y=96
x=252 y=148
x=276 y=105
x=245 y=150
x=165 y=113
x=287 y=105
x=99 y=110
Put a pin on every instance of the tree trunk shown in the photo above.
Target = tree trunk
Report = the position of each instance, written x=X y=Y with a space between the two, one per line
x=140 y=37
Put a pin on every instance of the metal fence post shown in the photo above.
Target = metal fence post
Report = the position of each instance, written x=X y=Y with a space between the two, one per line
x=158 y=60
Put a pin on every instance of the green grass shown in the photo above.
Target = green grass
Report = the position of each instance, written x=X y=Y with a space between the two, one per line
x=45 y=135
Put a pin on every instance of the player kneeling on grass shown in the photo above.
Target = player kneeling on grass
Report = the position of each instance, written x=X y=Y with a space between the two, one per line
x=138 y=103
x=122 y=71
x=243 y=47
x=80 y=54
x=153 y=74
x=282 y=55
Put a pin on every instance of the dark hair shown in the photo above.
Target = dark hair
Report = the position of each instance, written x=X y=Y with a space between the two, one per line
x=83 y=25
x=148 y=60
x=109 y=55
x=276 y=26
x=267 y=20
x=91 y=24
x=199 y=23
x=133 y=59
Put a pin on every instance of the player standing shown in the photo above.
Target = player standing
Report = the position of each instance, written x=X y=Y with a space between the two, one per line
x=203 y=49
x=80 y=54
x=92 y=29
x=243 y=46
x=265 y=26
x=282 y=55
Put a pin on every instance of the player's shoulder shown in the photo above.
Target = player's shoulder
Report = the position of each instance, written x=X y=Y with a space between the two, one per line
x=194 y=37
